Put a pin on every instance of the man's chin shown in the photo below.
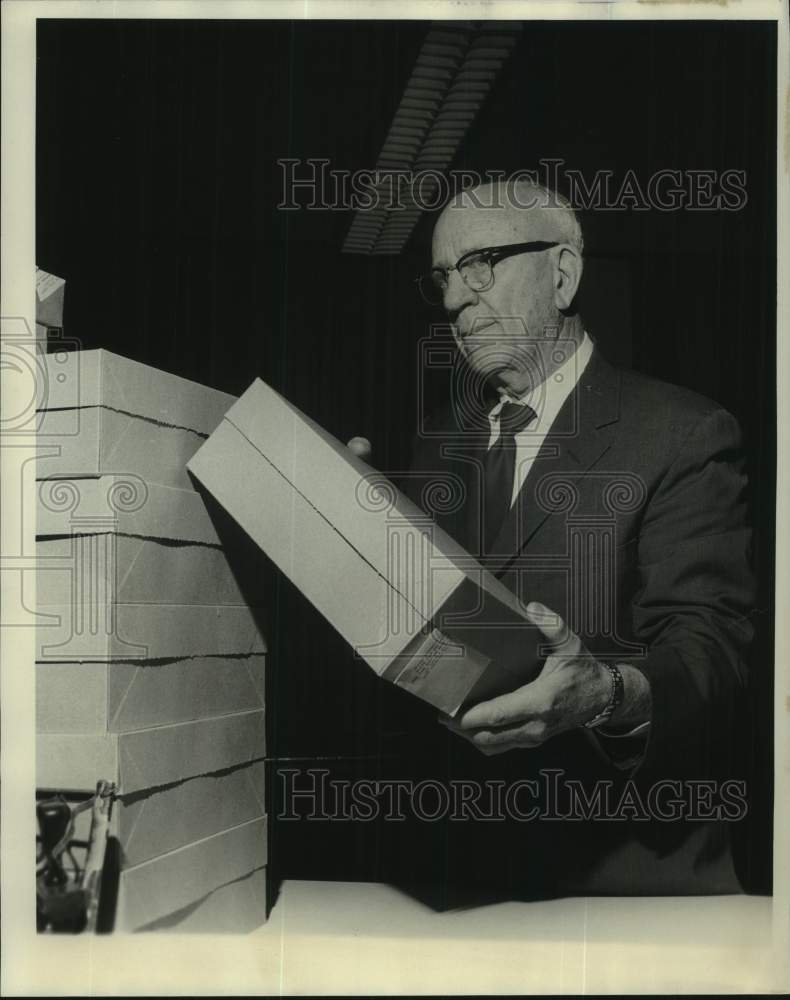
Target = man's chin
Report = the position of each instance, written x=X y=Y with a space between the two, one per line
x=489 y=364
x=499 y=367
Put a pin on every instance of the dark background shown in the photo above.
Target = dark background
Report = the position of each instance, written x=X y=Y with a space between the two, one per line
x=157 y=193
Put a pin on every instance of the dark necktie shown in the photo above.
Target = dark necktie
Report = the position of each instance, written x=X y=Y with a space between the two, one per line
x=500 y=466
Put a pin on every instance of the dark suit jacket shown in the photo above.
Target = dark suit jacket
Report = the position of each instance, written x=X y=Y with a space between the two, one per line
x=632 y=525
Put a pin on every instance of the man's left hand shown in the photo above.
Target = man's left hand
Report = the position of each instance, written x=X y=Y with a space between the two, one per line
x=572 y=688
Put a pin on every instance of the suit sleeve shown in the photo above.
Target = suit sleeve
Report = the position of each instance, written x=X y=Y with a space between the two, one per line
x=694 y=603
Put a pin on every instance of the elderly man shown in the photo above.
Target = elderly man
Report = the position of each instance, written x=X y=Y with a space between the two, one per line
x=614 y=506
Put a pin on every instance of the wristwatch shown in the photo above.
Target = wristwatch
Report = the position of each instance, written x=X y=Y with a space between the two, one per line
x=615 y=699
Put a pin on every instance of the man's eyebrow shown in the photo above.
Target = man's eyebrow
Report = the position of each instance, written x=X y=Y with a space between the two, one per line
x=463 y=253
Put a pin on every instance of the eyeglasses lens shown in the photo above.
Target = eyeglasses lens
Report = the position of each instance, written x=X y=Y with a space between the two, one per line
x=476 y=272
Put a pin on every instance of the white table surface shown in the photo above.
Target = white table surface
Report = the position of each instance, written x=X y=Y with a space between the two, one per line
x=362 y=938
x=341 y=938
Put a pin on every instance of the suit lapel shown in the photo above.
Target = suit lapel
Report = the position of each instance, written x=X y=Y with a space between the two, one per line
x=577 y=440
x=464 y=451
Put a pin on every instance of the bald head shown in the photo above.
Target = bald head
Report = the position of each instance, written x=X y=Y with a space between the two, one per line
x=525 y=209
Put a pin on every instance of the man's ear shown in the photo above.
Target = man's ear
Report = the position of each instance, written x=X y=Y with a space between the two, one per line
x=568 y=267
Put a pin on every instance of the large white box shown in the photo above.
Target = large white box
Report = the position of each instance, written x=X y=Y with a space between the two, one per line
x=101 y=378
x=102 y=414
x=172 y=881
x=121 y=697
x=148 y=758
x=414 y=605
x=124 y=505
x=153 y=823
x=101 y=441
x=235 y=908
x=100 y=630
x=129 y=570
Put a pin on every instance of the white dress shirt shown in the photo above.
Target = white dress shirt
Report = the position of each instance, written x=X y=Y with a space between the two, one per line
x=546 y=400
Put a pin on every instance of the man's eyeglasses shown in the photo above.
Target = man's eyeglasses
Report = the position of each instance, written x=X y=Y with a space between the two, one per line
x=476 y=268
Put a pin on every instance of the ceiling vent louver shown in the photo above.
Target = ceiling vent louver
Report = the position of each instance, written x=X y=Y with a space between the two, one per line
x=453 y=74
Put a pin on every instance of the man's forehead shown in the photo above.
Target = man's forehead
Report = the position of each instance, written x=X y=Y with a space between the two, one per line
x=463 y=226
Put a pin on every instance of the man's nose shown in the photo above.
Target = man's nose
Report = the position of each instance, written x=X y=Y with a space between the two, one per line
x=457 y=295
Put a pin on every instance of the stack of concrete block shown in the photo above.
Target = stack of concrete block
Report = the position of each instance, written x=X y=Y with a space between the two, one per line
x=150 y=659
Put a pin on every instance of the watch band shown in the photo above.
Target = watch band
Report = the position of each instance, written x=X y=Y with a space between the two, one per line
x=615 y=699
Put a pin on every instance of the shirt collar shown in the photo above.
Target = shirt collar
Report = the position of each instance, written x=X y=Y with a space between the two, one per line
x=546 y=399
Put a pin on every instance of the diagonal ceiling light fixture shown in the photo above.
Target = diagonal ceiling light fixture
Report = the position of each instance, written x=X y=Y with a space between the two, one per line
x=454 y=72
